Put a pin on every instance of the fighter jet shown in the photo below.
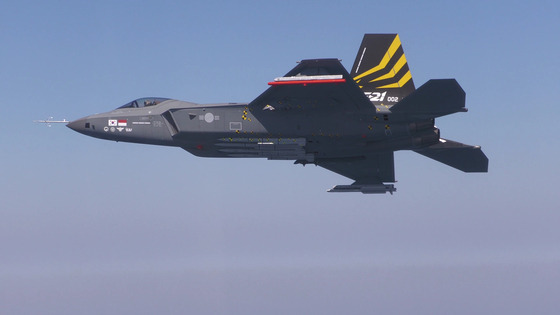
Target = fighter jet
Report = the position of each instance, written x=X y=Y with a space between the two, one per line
x=318 y=113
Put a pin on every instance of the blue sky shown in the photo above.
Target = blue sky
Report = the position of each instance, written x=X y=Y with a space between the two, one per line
x=92 y=226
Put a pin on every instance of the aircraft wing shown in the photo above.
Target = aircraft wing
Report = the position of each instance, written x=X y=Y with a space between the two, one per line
x=318 y=84
x=369 y=172
x=323 y=89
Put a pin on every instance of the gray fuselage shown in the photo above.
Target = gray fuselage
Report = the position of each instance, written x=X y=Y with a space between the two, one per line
x=301 y=133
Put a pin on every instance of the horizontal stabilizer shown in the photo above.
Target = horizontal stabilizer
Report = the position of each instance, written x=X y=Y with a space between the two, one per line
x=437 y=97
x=464 y=157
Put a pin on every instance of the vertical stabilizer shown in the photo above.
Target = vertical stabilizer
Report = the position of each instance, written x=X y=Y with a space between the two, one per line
x=381 y=69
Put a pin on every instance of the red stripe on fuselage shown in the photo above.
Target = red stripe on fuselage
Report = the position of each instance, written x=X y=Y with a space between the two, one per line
x=304 y=82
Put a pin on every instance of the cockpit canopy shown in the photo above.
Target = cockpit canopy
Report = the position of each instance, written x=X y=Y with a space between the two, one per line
x=143 y=102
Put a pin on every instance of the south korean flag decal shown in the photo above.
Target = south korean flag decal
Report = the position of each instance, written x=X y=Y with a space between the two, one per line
x=112 y=123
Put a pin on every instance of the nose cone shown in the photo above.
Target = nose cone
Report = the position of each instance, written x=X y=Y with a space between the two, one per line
x=79 y=125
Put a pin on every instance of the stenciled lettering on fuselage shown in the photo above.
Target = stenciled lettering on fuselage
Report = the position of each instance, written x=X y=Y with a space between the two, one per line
x=380 y=97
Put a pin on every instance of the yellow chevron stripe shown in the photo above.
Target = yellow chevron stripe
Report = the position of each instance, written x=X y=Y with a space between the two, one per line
x=406 y=77
x=398 y=66
x=390 y=52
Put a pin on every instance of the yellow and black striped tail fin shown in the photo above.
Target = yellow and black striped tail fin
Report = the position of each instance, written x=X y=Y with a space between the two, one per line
x=381 y=69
